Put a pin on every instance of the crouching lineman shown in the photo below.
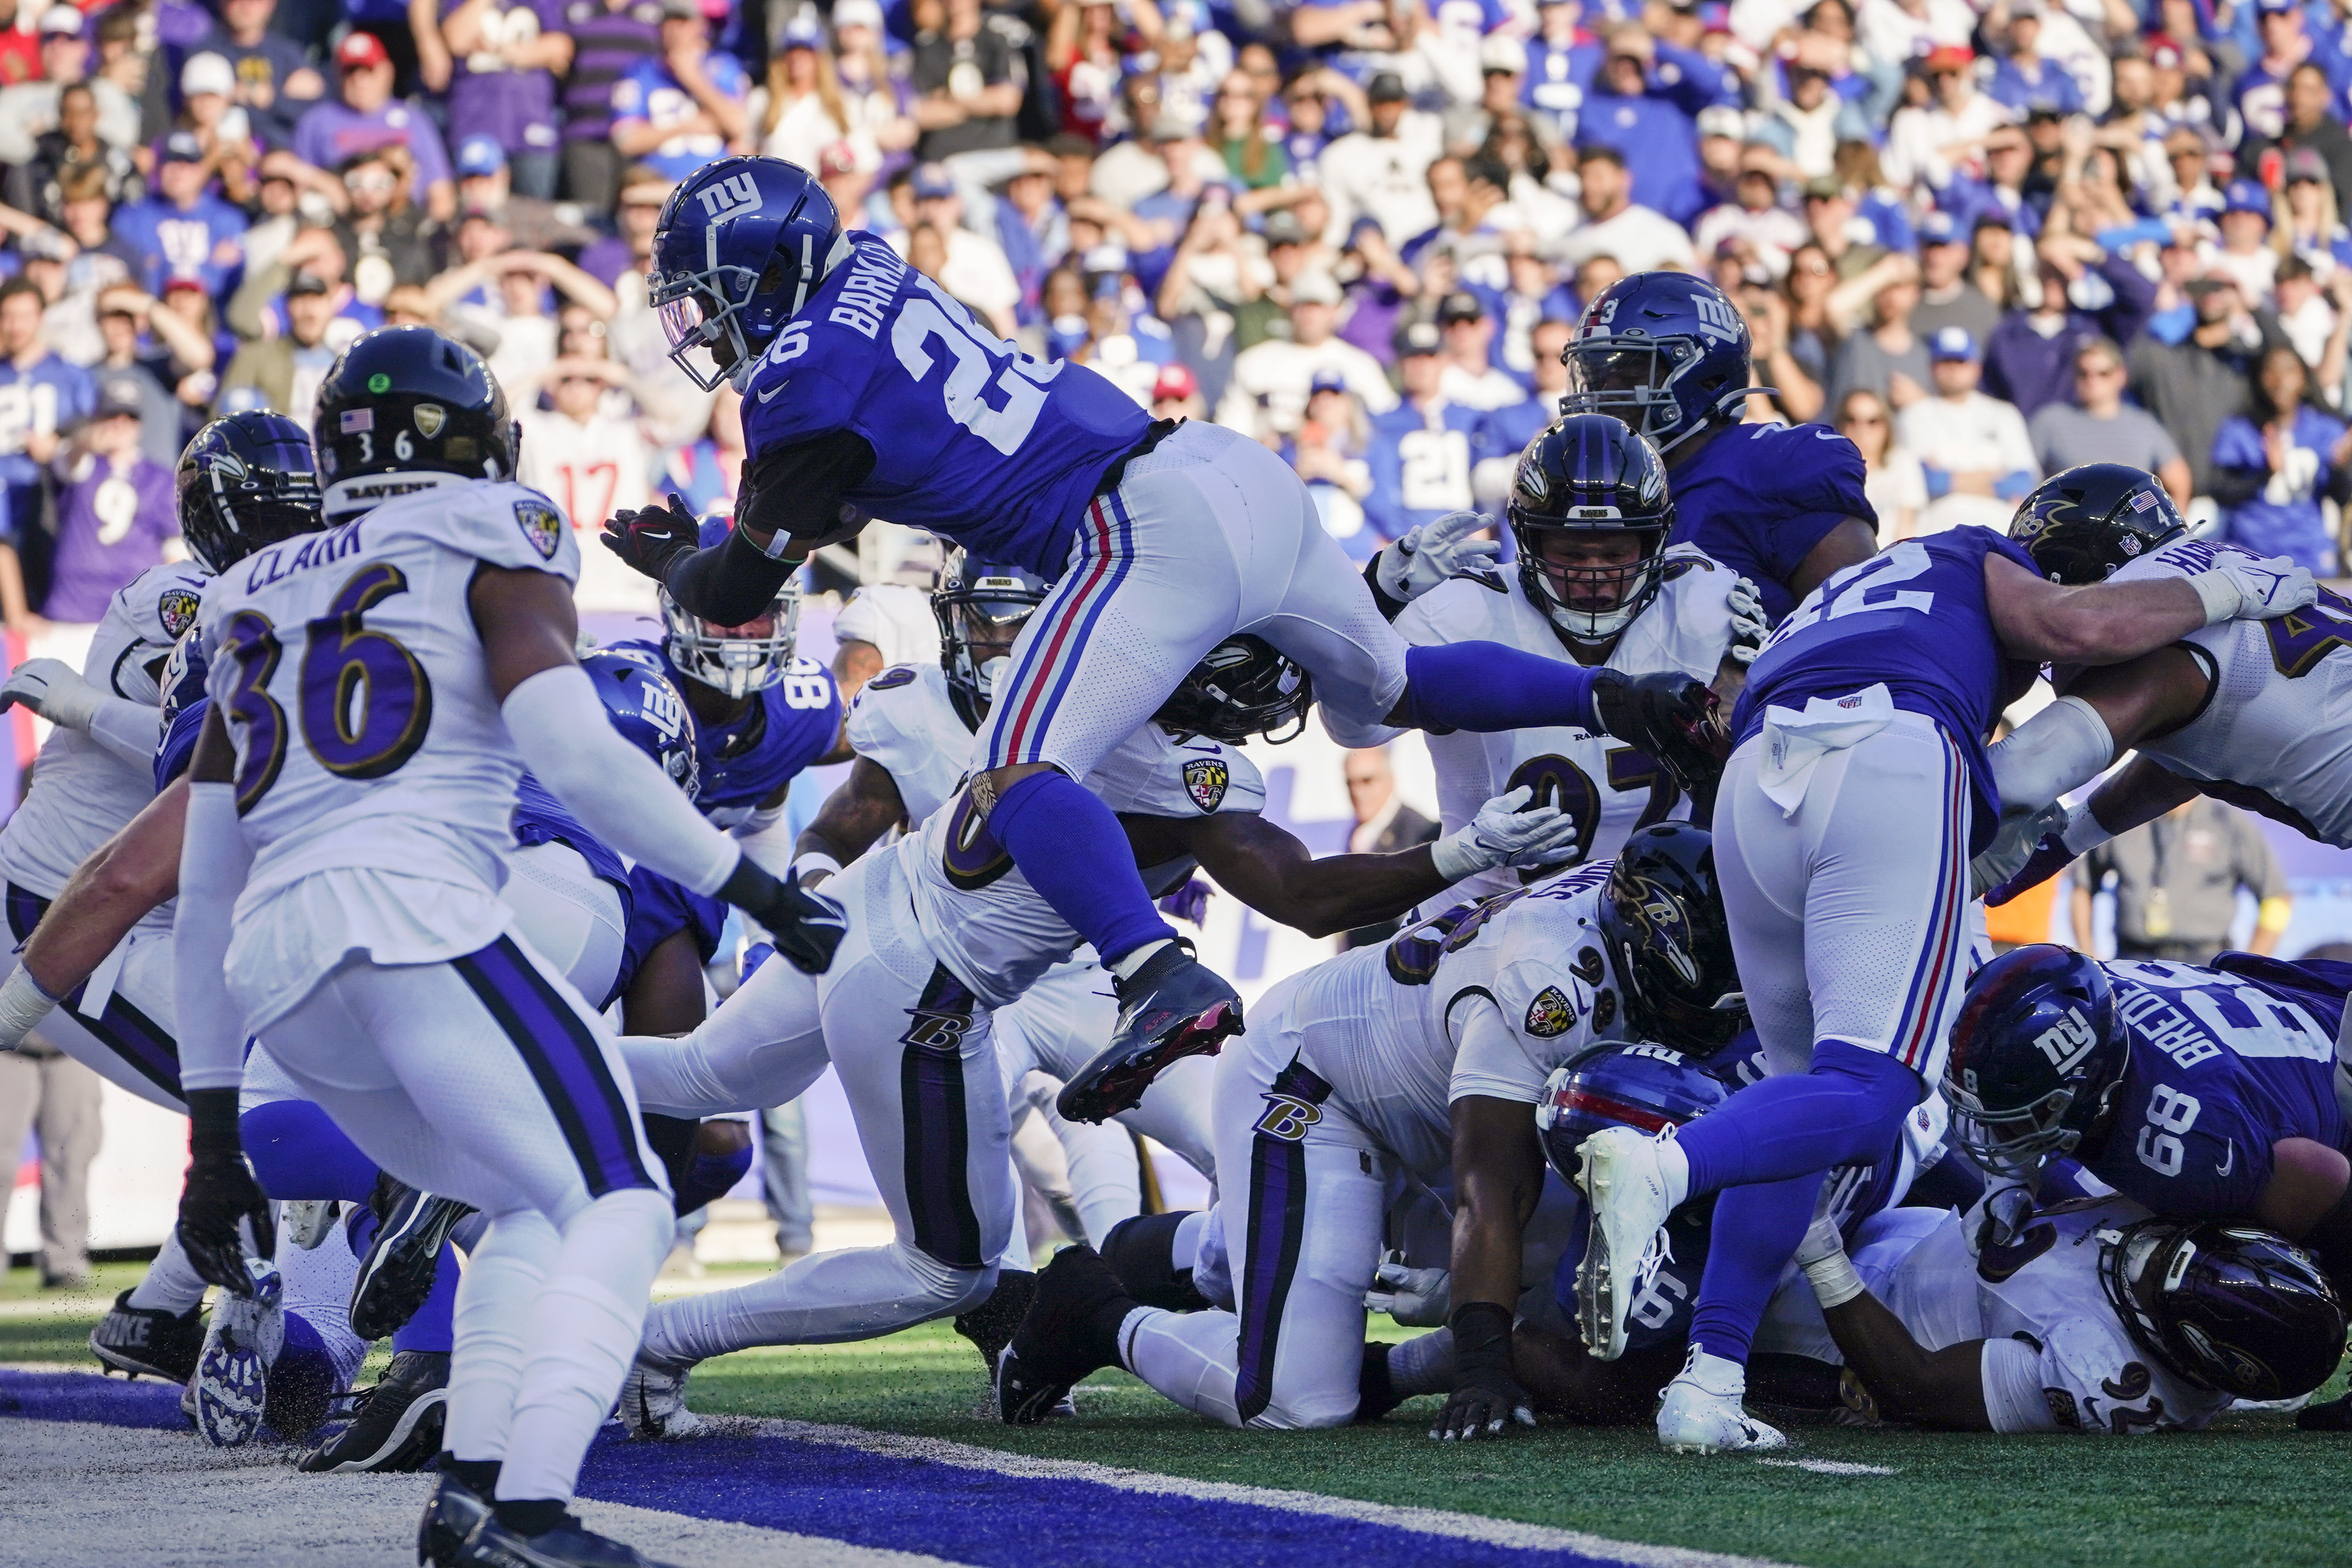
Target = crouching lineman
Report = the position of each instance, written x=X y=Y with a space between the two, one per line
x=1424 y=1057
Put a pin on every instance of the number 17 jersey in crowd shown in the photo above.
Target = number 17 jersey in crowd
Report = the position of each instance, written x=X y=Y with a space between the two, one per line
x=374 y=773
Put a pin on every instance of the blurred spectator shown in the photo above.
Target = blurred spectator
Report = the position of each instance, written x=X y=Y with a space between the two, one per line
x=1639 y=239
x=2317 y=320
x=592 y=464
x=2273 y=463
x=1383 y=825
x=1946 y=297
x=1382 y=170
x=610 y=38
x=367 y=118
x=2310 y=223
x=41 y=395
x=287 y=371
x=1936 y=143
x=1419 y=453
x=1754 y=223
x=1530 y=296
x=58 y=1100
x=1794 y=392
x=2313 y=122
x=184 y=230
x=973 y=268
x=1999 y=187
x=2194 y=386
x=1503 y=435
x=37 y=185
x=383 y=235
x=1891 y=479
x=1889 y=359
x=682 y=109
x=1239 y=133
x=874 y=101
x=800 y=111
x=497 y=61
x=1830 y=219
x=1560 y=68
x=117 y=516
x=31 y=108
x=1328 y=452
x=2028 y=356
x=2175 y=881
x=2260 y=91
x=223 y=135
x=1994 y=259
x=2024 y=80
x=1176 y=395
x=1643 y=104
x=1805 y=124
x=1471 y=377
x=2245 y=252
x=1268 y=392
x=2098 y=426
x=968 y=85
x=1977 y=456
x=276 y=82
x=156 y=369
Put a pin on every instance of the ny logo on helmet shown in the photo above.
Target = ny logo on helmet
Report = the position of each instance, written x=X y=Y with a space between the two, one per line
x=1288 y=1118
x=2067 y=1041
x=736 y=194
x=1717 y=318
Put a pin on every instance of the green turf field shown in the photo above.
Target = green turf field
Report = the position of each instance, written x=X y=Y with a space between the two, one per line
x=2252 y=1491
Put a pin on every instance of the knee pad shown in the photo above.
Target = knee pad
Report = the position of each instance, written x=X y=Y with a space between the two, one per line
x=948 y=1288
x=1142 y=1252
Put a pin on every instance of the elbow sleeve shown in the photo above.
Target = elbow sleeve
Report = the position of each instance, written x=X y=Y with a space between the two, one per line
x=2063 y=746
x=730 y=584
x=128 y=729
x=214 y=860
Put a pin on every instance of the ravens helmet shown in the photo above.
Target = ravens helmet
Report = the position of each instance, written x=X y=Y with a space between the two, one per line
x=981 y=606
x=246 y=481
x=1665 y=351
x=1590 y=513
x=407 y=400
x=2080 y=525
x=740 y=247
x=2228 y=1307
x=1663 y=921
x=2037 y=1054
x=736 y=660
x=648 y=710
x=1245 y=687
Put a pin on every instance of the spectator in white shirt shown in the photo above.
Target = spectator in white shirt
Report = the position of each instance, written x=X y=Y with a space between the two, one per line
x=1266 y=395
x=1979 y=459
x=1642 y=240
x=1755 y=221
x=1932 y=143
x=1382 y=171
x=1471 y=377
x=975 y=270
x=592 y=464
x=2245 y=252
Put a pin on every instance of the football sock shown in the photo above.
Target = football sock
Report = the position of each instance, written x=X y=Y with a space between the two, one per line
x=494 y=1300
x=536 y=1517
x=1075 y=854
x=479 y=1477
x=171 y=1283
x=298 y=1152
x=1756 y=1232
x=1848 y=1108
x=1142 y=1252
x=1422 y=1364
x=1486 y=686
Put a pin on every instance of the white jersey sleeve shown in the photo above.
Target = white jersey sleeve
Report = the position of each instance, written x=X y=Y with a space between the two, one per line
x=1549 y=991
x=904 y=723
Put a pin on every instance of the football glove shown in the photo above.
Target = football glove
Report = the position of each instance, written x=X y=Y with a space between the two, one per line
x=1670 y=715
x=2020 y=837
x=1188 y=902
x=2237 y=589
x=1417 y=1298
x=2048 y=858
x=1428 y=555
x=652 y=538
x=224 y=1213
x=54 y=689
x=1486 y=1396
x=1749 y=624
x=1507 y=831
x=806 y=926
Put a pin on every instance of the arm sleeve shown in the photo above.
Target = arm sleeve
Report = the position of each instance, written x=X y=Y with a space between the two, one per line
x=214 y=860
x=731 y=582
x=128 y=729
x=797 y=488
x=2012 y=1387
x=618 y=792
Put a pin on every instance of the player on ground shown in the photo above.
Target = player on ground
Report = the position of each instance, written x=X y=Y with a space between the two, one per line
x=1843 y=831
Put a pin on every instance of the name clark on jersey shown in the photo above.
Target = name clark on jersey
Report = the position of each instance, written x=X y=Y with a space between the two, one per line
x=316 y=549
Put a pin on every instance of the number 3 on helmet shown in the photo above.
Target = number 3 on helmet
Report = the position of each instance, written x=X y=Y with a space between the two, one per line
x=740 y=246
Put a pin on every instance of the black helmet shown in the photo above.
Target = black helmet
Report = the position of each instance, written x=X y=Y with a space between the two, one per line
x=1244 y=688
x=2037 y=1054
x=407 y=400
x=2226 y=1306
x=246 y=481
x=1592 y=479
x=2079 y=526
x=1667 y=933
x=971 y=593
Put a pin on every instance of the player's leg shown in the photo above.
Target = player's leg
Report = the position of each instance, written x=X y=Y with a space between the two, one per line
x=1065 y=1019
x=763 y=1046
x=572 y=918
x=118 y=1024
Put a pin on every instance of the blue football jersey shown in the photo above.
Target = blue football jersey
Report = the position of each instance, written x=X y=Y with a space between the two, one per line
x=1758 y=497
x=788 y=725
x=1912 y=617
x=660 y=909
x=540 y=819
x=972 y=439
x=2223 y=1065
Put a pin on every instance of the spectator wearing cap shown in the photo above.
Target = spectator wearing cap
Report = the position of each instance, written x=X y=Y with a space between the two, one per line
x=1421 y=452
x=1266 y=394
x=224 y=134
x=2195 y=199
x=168 y=358
x=2259 y=94
x=1503 y=434
x=1561 y=62
x=1977 y=458
x=1947 y=298
x=2196 y=385
x=2245 y=252
x=2098 y=426
x=610 y=38
x=967 y=94
x=1382 y=171
x=2311 y=121
x=2025 y=82
x=1913 y=29
x=366 y=118
x=1327 y=452
x=2310 y=223
x=799 y=111
x=1176 y=393
x=1932 y=143
x=41 y=394
x=117 y=516
x=1644 y=103
x=184 y=230
x=1722 y=137
x=2274 y=464
x=686 y=107
x=28 y=109
x=275 y=80
x=486 y=185
x=1502 y=76
x=1754 y=224
x=1640 y=238
x=975 y=269
x=287 y=369
x=1472 y=379
x=37 y=185
x=496 y=61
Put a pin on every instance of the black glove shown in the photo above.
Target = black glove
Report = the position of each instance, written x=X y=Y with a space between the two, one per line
x=806 y=925
x=652 y=538
x=1486 y=1396
x=222 y=1205
x=1671 y=716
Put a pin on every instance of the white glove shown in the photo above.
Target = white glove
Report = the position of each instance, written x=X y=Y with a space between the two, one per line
x=2021 y=833
x=1435 y=551
x=54 y=689
x=1749 y=624
x=2237 y=589
x=1417 y=1298
x=1504 y=835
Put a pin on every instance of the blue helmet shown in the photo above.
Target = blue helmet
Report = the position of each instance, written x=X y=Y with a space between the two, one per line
x=991 y=599
x=648 y=710
x=2038 y=1054
x=741 y=245
x=737 y=659
x=246 y=480
x=1665 y=352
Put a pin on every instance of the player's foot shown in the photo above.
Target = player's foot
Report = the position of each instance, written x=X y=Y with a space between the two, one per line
x=133 y=1340
x=1172 y=1007
x=1700 y=1413
x=1626 y=1191
x=1071 y=1330
x=2336 y=1416
x=398 y=1271
x=396 y=1425
x=570 y=1545
x=653 y=1400
x=989 y=1325
x=452 y=1514
x=232 y=1380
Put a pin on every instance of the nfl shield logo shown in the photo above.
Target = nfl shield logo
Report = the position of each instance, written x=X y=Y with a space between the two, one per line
x=177 y=611
x=430 y=417
x=1550 y=1013
x=1205 y=779
x=540 y=526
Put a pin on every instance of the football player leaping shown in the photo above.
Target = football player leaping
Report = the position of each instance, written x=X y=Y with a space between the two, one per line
x=867 y=389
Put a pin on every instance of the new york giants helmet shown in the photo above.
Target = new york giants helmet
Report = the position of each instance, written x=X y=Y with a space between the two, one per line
x=2081 y=524
x=2038 y=1053
x=736 y=660
x=246 y=481
x=1666 y=352
x=993 y=600
x=741 y=245
x=1671 y=942
x=1589 y=487
x=2226 y=1306
x=648 y=710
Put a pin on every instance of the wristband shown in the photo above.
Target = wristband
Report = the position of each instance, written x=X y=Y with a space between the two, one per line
x=212 y=1123
x=23 y=1006
x=2218 y=592
x=2082 y=832
x=1834 y=1280
x=812 y=863
x=1482 y=1336
x=750 y=885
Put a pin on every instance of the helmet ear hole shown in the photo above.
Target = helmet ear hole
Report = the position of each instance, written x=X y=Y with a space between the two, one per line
x=771 y=279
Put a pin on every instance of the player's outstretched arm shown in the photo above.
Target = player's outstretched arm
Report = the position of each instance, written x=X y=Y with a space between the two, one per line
x=1940 y=1388
x=2305 y=1198
x=1497 y=1178
x=1567 y=1383
x=2141 y=791
x=2108 y=622
x=866 y=806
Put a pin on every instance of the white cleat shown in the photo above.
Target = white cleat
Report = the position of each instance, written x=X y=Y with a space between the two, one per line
x=231 y=1387
x=653 y=1401
x=1627 y=1191
x=1700 y=1411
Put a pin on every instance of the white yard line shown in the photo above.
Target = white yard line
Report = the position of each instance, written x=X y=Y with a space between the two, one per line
x=1829 y=1466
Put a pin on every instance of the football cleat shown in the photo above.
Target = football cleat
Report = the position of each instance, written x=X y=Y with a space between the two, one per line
x=403 y=1260
x=653 y=1401
x=1071 y=1330
x=1625 y=1189
x=989 y=1325
x=2335 y=1415
x=570 y=1545
x=452 y=1514
x=133 y=1340
x=231 y=1387
x=1694 y=1418
x=1171 y=1008
x=396 y=1425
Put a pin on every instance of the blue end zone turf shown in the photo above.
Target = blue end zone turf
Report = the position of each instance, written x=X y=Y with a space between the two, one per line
x=82 y=1397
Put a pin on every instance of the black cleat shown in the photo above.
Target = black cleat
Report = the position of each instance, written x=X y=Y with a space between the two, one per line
x=398 y=1271
x=570 y=1545
x=989 y=1325
x=452 y=1515
x=134 y=1339
x=396 y=1425
x=1172 y=1007
x=2336 y=1416
x=1071 y=1330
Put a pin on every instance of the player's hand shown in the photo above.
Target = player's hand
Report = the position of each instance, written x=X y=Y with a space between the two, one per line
x=1435 y=551
x=2237 y=589
x=1417 y=1298
x=650 y=539
x=1487 y=1395
x=1670 y=715
x=224 y=1218
x=52 y=688
x=806 y=925
x=2022 y=833
x=2049 y=857
x=1749 y=624
x=1507 y=831
x=1188 y=902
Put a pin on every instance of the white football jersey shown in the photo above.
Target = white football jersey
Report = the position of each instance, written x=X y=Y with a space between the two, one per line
x=904 y=723
x=2274 y=727
x=83 y=794
x=374 y=776
x=1380 y=1024
x=1609 y=788
x=591 y=471
x=979 y=914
